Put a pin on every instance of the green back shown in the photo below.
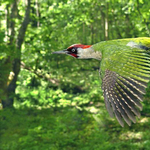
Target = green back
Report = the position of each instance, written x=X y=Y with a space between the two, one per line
x=116 y=55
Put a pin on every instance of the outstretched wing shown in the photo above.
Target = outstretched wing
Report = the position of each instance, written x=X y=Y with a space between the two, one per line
x=124 y=85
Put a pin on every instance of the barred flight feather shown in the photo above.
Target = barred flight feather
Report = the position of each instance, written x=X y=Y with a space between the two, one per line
x=113 y=105
x=123 y=95
x=140 y=62
x=143 y=56
x=126 y=107
x=122 y=110
x=128 y=95
x=144 y=68
x=128 y=101
x=137 y=63
x=138 y=69
x=130 y=85
x=108 y=104
x=137 y=82
x=122 y=107
x=140 y=96
x=136 y=77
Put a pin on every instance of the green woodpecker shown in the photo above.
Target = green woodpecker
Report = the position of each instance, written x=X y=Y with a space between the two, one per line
x=125 y=72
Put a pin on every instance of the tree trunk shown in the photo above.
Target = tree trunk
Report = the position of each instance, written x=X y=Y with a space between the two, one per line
x=8 y=100
x=102 y=21
x=106 y=23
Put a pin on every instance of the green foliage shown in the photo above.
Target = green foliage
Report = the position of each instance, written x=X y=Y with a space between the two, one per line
x=53 y=131
x=68 y=128
x=68 y=93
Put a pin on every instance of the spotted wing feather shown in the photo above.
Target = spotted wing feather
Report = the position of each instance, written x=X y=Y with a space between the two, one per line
x=122 y=99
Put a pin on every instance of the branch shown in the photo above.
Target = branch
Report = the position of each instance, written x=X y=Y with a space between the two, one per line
x=38 y=73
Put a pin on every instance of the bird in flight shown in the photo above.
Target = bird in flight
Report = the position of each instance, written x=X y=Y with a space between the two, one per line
x=124 y=70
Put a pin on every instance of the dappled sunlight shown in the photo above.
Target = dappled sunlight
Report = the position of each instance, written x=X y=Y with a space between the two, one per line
x=131 y=135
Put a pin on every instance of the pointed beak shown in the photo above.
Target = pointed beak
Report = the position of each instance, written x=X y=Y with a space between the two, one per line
x=60 y=52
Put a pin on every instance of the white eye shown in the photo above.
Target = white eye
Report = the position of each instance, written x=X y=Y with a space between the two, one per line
x=73 y=50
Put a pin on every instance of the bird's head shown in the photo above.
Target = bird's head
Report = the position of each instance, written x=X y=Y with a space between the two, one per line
x=76 y=50
x=80 y=51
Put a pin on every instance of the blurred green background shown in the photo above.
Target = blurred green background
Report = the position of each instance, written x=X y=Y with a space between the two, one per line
x=52 y=102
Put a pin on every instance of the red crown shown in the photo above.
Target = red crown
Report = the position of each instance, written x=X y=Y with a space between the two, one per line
x=80 y=45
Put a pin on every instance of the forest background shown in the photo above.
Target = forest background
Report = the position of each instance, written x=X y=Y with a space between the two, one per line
x=52 y=102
